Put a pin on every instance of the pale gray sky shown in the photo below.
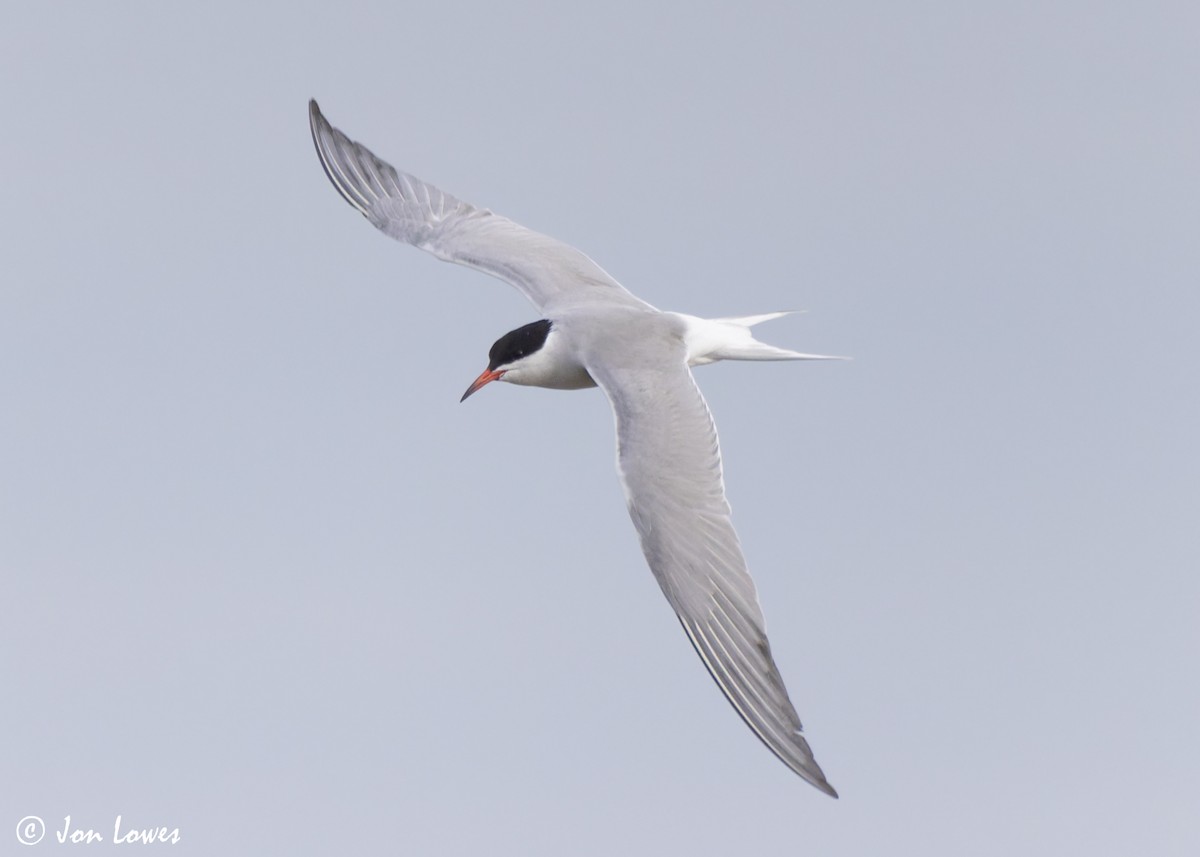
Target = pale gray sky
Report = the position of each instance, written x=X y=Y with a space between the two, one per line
x=269 y=583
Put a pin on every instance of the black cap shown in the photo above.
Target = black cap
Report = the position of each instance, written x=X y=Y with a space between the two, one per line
x=519 y=343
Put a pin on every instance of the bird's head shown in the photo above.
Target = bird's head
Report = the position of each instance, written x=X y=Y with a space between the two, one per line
x=515 y=357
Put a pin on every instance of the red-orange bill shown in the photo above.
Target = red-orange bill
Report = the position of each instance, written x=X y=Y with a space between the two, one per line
x=488 y=376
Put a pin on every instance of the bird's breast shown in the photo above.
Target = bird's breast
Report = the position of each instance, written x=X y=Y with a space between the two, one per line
x=560 y=375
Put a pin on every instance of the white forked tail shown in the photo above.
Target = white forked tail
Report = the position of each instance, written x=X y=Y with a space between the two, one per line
x=712 y=339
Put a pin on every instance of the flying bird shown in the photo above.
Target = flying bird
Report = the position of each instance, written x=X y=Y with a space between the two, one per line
x=594 y=333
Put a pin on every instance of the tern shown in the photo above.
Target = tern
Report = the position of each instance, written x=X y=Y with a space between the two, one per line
x=594 y=333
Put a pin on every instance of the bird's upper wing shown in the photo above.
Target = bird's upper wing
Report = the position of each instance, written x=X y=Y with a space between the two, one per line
x=544 y=269
x=670 y=465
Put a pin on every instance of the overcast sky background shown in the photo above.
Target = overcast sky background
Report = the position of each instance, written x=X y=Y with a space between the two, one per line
x=268 y=582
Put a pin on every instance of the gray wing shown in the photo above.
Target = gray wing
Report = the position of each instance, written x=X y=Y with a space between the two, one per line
x=544 y=269
x=670 y=467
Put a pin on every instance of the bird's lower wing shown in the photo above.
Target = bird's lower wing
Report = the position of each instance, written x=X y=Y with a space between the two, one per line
x=544 y=269
x=670 y=466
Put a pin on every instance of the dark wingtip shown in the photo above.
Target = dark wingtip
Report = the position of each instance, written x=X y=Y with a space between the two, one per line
x=315 y=118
